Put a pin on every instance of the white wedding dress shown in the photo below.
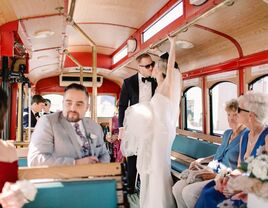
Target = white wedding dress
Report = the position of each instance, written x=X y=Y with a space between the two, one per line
x=150 y=129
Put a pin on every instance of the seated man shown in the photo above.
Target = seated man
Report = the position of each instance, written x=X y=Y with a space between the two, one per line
x=67 y=137
x=37 y=105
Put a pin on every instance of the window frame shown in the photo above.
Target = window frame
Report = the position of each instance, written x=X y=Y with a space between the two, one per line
x=250 y=84
x=184 y=98
x=145 y=37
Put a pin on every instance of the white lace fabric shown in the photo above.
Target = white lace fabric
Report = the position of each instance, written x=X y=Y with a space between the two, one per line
x=138 y=134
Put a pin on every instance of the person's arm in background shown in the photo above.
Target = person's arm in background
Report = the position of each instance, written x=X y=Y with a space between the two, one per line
x=12 y=198
x=12 y=195
x=123 y=104
x=25 y=119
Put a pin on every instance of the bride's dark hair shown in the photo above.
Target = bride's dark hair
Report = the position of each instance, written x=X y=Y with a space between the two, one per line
x=162 y=65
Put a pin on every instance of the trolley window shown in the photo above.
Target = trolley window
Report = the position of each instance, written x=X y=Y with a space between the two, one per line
x=193 y=109
x=219 y=94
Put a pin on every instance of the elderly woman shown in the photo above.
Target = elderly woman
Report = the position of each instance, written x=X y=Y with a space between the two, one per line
x=252 y=112
x=8 y=166
x=226 y=156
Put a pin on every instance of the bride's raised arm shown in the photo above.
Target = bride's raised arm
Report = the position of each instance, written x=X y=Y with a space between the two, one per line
x=171 y=61
x=173 y=76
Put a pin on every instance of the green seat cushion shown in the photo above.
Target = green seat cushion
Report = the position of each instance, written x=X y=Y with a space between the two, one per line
x=175 y=165
x=192 y=147
x=94 y=193
x=22 y=162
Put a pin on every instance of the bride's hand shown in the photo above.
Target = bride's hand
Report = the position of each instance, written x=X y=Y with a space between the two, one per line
x=171 y=39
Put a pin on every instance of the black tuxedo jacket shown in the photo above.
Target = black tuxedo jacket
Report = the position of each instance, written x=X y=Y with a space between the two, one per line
x=26 y=118
x=130 y=95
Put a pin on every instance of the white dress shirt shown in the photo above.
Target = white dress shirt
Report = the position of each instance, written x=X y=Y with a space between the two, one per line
x=145 y=90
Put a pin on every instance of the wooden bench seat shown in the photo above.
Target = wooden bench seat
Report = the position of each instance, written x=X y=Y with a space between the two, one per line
x=186 y=149
x=97 y=185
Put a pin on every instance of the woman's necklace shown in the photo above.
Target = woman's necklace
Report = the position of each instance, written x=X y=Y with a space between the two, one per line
x=237 y=131
x=253 y=138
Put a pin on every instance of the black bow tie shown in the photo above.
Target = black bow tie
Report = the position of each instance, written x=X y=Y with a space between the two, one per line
x=37 y=115
x=149 y=79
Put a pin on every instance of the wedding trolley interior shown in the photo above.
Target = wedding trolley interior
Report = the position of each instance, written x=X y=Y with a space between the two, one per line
x=45 y=45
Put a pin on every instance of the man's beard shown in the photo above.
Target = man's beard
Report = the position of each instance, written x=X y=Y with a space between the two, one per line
x=73 y=118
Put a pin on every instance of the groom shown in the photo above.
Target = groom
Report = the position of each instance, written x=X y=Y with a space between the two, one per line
x=136 y=89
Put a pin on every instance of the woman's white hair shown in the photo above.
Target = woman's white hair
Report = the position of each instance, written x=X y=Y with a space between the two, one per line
x=257 y=103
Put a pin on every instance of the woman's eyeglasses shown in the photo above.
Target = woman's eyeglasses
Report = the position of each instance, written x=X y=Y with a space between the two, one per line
x=241 y=109
x=148 y=65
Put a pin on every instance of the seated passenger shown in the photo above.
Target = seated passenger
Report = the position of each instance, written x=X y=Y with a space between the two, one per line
x=67 y=137
x=37 y=105
x=252 y=112
x=9 y=197
x=185 y=192
x=47 y=107
x=113 y=139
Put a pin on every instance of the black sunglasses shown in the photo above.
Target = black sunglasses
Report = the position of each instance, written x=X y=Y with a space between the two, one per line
x=241 y=109
x=148 y=65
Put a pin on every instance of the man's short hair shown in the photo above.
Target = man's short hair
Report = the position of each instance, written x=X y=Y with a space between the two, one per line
x=47 y=101
x=231 y=105
x=143 y=55
x=37 y=99
x=75 y=86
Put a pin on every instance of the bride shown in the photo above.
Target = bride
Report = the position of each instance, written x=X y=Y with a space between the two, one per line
x=149 y=131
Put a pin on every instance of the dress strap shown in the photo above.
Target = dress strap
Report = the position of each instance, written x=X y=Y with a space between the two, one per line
x=244 y=144
x=260 y=141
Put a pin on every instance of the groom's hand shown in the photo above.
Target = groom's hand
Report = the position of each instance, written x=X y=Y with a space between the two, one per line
x=87 y=160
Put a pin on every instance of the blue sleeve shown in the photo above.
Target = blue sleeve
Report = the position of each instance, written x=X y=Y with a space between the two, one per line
x=225 y=138
x=26 y=120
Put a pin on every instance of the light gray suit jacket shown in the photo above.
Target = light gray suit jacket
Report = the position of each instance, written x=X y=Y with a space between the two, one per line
x=54 y=141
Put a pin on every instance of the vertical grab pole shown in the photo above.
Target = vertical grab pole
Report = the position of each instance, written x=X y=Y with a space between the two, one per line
x=30 y=124
x=94 y=87
x=19 y=125
x=6 y=88
x=81 y=75
x=93 y=104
